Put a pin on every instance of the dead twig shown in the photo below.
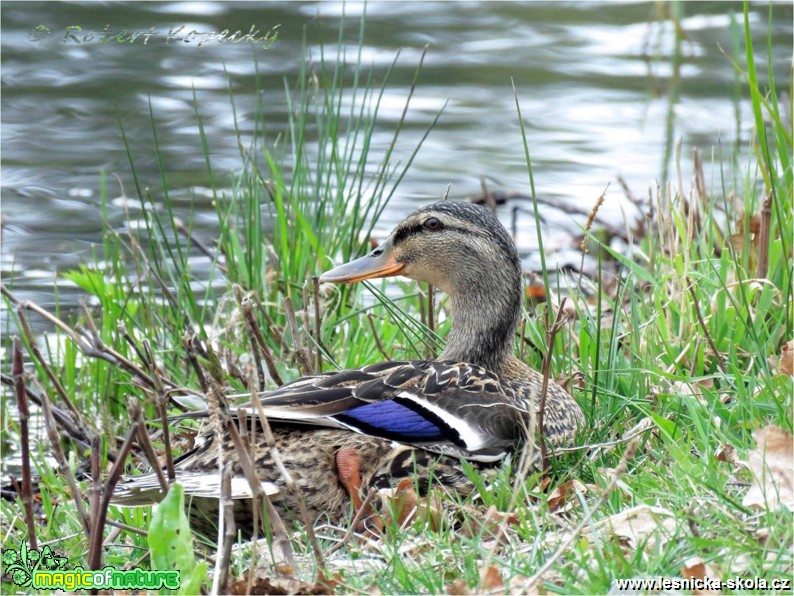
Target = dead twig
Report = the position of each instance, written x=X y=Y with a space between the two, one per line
x=180 y=227
x=63 y=465
x=487 y=197
x=318 y=323
x=136 y=415
x=122 y=329
x=545 y=370
x=64 y=420
x=702 y=323
x=230 y=531
x=292 y=486
x=161 y=403
x=95 y=491
x=378 y=343
x=95 y=546
x=34 y=349
x=306 y=326
x=351 y=530
x=18 y=372
x=271 y=324
x=431 y=308
x=247 y=463
x=191 y=344
x=301 y=352
x=257 y=339
x=763 y=237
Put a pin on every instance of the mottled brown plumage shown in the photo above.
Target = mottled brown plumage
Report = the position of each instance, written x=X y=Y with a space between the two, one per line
x=477 y=401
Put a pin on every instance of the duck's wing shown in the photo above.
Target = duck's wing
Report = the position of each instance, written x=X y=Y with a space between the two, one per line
x=446 y=407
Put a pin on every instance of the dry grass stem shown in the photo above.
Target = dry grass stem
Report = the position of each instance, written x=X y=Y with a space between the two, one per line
x=371 y=321
x=191 y=344
x=122 y=329
x=18 y=372
x=587 y=226
x=98 y=526
x=307 y=326
x=702 y=323
x=180 y=227
x=545 y=370
x=431 y=308
x=248 y=465
x=256 y=334
x=354 y=523
x=95 y=490
x=161 y=400
x=292 y=486
x=490 y=202
x=763 y=237
x=63 y=464
x=136 y=415
x=56 y=383
x=640 y=428
x=230 y=531
x=318 y=322
x=302 y=354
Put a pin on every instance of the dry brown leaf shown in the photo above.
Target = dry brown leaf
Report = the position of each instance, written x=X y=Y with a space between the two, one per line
x=762 y=535
x=521 y=584
x=544 y=483
x=696 y=568
x=559 y=496
x=772 y=465
x=575 y=380
x=406 y=505
x=727 y=453
x=638 y=524
x=785 y=365
x=458 y=588
x=285 y=570
x=692 y=388
x=276 y=585
x=490 y=525
x=737 y=241
x=404 y=502
x=490 y=579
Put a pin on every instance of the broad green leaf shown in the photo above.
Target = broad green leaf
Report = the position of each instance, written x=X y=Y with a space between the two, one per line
x=171 y=542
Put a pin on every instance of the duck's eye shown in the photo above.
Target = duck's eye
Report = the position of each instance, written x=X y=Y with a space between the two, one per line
x=432 y=224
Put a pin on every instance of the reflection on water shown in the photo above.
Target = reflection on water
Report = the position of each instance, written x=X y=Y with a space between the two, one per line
x=595 y=82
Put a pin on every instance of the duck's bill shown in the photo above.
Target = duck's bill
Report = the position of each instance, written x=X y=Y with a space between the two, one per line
x=379 y=263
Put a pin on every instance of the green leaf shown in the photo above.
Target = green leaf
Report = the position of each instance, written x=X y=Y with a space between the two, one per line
x=171 y=542
x=666 y=426
x=88 y=280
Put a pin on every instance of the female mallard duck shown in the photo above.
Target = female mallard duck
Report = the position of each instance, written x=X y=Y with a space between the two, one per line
x=338 y=432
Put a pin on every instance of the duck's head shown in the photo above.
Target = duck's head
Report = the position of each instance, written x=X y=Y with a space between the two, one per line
x=463 y=250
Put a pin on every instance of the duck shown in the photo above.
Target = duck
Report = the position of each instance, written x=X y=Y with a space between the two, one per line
x=341 y=433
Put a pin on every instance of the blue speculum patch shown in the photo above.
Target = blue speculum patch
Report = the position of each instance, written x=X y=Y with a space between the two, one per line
x=394 y=419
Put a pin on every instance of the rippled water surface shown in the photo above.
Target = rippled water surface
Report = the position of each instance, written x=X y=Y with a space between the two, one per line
x=605 y=90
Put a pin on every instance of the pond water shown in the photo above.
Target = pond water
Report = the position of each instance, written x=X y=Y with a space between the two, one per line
x=605 y=89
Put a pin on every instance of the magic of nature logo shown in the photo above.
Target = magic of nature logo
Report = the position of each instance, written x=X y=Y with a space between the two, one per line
x=44 y=569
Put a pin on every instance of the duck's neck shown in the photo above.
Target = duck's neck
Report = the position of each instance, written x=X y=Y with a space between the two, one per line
x=485 y=313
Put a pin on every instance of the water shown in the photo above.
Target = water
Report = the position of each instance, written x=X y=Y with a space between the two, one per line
x=603 y=87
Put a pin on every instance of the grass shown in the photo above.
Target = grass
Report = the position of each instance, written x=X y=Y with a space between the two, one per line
x=687 y=336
